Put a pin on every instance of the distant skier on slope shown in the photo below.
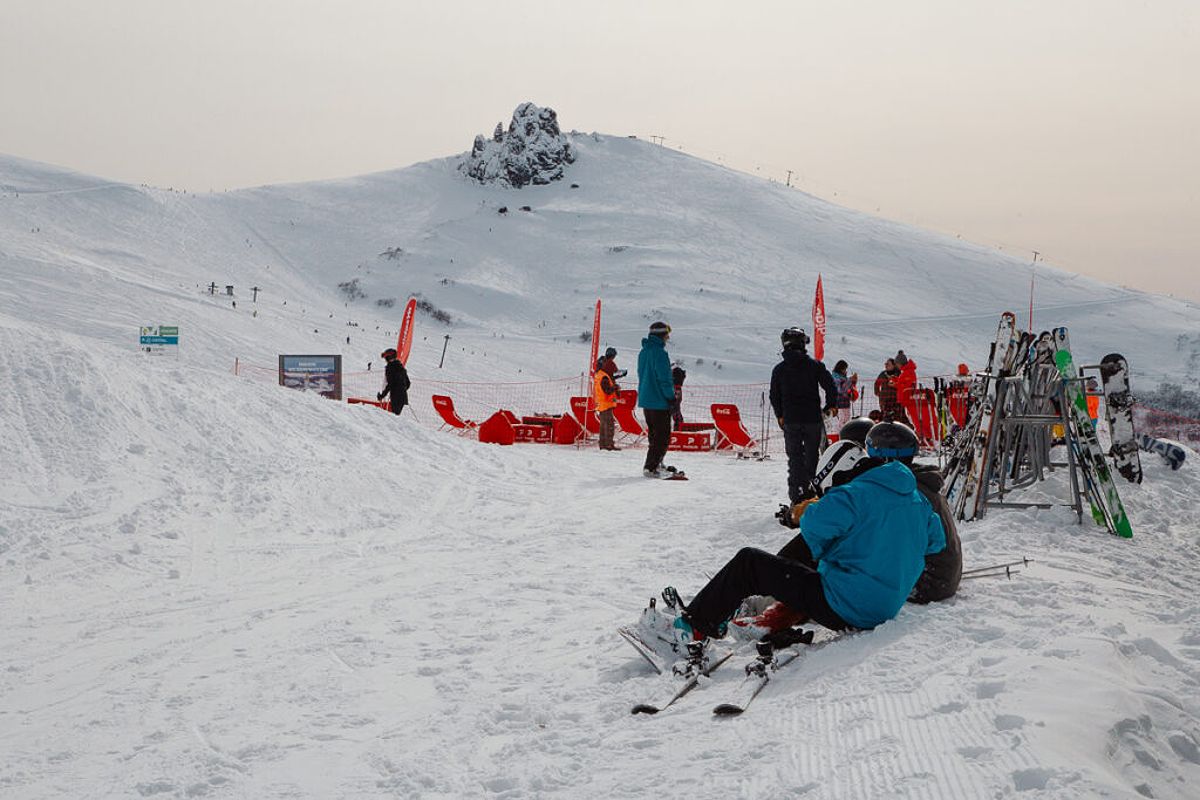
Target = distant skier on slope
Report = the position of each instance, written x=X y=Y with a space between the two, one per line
x=656 y=395
x=796 y=401
x=396 y=381
x=860 y=553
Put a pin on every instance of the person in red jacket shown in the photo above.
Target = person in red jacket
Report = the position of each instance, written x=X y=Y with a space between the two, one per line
x=904 y=384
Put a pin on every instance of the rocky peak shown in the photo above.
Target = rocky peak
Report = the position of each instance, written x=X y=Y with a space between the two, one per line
x=532 y=150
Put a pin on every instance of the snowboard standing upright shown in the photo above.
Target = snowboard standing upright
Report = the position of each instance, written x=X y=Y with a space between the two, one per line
x=1107 y=508
x=1118 y=409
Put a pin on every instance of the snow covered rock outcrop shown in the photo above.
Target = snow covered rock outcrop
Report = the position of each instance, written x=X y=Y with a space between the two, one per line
x=533 y=150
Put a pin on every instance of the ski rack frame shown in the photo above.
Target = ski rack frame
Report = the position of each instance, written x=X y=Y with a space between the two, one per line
x=1018 y=454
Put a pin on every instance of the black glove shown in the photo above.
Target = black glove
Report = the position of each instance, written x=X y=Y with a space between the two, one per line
x=379 y=397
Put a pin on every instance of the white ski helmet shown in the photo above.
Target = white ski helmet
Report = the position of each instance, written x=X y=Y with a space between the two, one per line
x=840 y=457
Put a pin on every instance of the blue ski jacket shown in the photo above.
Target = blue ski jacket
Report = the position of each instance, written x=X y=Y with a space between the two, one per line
x=869 y=538
x=655 y=387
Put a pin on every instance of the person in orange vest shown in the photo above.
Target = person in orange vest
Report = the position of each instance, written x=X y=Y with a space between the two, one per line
x=605 y=390
x=1093 y=400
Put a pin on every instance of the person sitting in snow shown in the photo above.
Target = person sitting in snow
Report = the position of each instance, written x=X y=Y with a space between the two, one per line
x=943 y=570
x=861 y=550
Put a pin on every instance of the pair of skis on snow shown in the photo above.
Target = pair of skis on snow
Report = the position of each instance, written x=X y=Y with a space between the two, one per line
x=768 y=660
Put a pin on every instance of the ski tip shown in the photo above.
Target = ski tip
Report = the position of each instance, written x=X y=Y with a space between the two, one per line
x=727 y=710
x=644 y=708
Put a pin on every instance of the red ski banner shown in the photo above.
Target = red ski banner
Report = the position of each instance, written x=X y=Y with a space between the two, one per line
x=404 y=340
x=818 y=320
x=595 y=340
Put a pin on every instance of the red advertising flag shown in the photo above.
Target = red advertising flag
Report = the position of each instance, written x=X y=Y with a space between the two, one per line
x=595 y=340
x=819 y=322
x=404 y=340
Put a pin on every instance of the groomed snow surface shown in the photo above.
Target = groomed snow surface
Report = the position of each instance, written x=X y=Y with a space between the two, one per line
x=215 y=588
x=212 y=587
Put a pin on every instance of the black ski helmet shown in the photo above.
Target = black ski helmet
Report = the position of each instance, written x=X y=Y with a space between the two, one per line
x=610 y=352
x=892 y=441
x=794 y=339
x=856 y=430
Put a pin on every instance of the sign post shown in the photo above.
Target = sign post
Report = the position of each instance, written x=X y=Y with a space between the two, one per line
x=158 y=338
x=320 y=374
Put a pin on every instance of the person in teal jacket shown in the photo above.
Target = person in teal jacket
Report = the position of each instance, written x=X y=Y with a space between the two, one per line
x=656 y=397
x=867 y=541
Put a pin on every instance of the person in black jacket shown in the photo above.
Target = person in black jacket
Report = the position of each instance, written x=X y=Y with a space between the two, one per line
x=397 y=382
x=798 y=409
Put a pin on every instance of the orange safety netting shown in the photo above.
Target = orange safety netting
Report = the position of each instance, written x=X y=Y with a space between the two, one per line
x=476 y=401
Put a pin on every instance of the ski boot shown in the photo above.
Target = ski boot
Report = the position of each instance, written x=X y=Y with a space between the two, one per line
x=765 y=660
x=695 y=661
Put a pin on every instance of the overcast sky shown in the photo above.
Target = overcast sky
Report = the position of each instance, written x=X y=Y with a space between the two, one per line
x=1070 y=127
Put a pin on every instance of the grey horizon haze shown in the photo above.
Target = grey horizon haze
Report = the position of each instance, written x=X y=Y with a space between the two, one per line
x=1071 y=128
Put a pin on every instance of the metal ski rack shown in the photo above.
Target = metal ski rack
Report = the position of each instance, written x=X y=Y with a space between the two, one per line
x=1018 y=452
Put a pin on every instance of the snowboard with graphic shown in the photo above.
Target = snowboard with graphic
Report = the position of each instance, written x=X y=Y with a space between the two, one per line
x=1118 y=409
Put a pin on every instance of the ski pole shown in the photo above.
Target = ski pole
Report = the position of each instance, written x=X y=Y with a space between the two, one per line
x=1007 y=572
x=1024 y=562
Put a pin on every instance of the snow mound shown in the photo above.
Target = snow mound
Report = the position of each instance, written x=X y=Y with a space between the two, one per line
x=533 y=150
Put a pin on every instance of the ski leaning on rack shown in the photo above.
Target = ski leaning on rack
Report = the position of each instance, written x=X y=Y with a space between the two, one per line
x=1107 y=508
x=760 y=670
x=970 y=497
x=1118 y=409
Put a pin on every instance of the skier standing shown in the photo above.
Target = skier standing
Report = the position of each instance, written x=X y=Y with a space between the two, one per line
x=885 y=389
x=656 y=395
x=396 y=381
x=678 y=374
x=847 y=390
x=798 y=410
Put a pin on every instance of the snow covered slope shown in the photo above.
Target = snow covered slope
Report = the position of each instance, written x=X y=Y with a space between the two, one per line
x=727 y=258
x=216 y=588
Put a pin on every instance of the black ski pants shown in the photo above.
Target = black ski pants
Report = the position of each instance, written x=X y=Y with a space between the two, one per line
x=395 y=407
x=753 y=571
x=802 y=441
x=658 y=434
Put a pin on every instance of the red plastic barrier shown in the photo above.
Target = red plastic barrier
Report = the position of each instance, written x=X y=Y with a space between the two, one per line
x=496 y=429
x=364 y=401
x=690 y=441
x=565 y=430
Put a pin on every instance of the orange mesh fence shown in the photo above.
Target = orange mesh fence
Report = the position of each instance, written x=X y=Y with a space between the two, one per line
x=1165 y=425
x=478 y=400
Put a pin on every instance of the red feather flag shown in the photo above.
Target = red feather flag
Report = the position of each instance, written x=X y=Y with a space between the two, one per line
x=819 y=322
